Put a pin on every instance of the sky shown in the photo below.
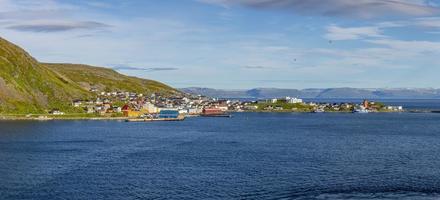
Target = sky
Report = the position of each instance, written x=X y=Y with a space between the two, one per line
x=238 y=44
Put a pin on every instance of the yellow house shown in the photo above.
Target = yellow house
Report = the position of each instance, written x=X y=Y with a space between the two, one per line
x=129 y=112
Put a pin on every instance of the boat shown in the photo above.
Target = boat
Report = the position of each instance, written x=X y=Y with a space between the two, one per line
x=148 y=119
x=214 y=112
x=154 y=119
x=318 y=111
x=360 y=111
x=216 y=115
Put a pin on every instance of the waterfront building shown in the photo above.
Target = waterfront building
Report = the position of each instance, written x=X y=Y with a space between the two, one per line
x=195 y=111
x=169 y=114
x=130 y=112
x=150 y=108
x=223 y=107
x=293 y=100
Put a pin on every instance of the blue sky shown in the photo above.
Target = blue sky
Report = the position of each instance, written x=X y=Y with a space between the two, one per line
x=238 y=44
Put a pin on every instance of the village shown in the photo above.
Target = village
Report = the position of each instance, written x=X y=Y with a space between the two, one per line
x=132 y=105
x=155 y=106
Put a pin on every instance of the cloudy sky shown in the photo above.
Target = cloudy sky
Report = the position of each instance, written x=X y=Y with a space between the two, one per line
x=237 y=44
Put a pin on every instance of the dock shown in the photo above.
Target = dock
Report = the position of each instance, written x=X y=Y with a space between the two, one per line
x=219 y=115
x=180 y=118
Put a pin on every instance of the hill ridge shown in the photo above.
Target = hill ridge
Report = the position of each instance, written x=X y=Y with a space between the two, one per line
x=28 y=86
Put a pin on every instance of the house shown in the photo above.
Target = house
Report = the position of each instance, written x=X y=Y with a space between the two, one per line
x=183 y=111
x=268 y=108
x=195 y=111
x=77 y=103
x=129 y=112
x=98 y=101
x=395 y=108
x=278 y=108
x=250 y=107
x=117 y=109
x=90 y=109
x=223 y=107
x=56 y=112
x=293 y=100
x=150 y=108
x=106 y=106
x=99 y=108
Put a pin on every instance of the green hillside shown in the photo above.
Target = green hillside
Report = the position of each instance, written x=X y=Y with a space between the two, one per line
x=105 y=79
x=27 y=86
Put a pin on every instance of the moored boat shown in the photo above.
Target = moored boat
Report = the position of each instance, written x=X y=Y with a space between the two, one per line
x=214 y=112
x=360 y=111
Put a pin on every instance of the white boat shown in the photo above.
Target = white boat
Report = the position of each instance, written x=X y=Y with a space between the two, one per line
x=318 y=111
x=361 y=111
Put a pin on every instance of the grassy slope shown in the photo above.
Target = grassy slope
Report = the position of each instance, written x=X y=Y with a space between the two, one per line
x=28 y=87
x=108 y=80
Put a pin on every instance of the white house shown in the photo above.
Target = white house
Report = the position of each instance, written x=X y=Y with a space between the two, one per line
x=77 y=103
x=293 y=100
x=195 y=111
x=151 y=108
x=117 y=109
x=56 y=112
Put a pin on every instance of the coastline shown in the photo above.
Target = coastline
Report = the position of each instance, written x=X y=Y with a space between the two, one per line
x=45 y=117
x=58 y=118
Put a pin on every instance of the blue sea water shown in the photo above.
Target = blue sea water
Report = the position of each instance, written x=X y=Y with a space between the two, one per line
x=249 y=156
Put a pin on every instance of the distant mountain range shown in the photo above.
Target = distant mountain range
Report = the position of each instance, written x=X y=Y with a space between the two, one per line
x=355 y=93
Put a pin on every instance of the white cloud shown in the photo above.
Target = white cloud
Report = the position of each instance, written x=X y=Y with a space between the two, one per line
x=432 y=22
x=424 y=22
x=56 y=26
x=418 y=47
x=26 y=5
x=352 y=33
x=351 y=8
x=43 y=16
